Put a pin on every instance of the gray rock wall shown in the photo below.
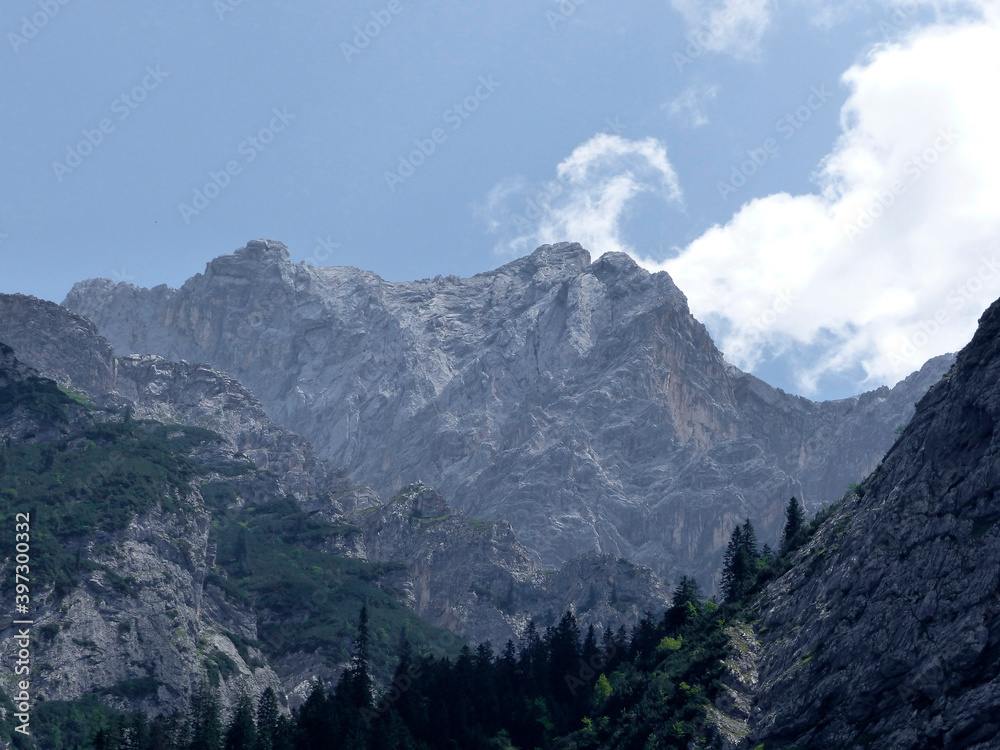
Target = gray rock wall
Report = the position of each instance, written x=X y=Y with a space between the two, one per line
x=578 y=400
x=886 y=633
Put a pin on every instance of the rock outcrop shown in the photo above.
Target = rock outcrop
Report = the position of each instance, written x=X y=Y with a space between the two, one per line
x=886 y=632
x=473 y=577
x=165 y=630
x=578 y=400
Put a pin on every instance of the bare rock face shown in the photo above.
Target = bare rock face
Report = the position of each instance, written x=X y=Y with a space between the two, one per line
x=136 y=627
x=67 y=348
x=471 y=577
x=886 y=633
x=578 y=400
x=474 y=577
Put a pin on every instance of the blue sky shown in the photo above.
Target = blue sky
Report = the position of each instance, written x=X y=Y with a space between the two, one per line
x=737 y=145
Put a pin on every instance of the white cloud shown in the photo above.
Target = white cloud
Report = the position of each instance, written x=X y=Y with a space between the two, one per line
x=587 y=201
x=733 y=27
x=690 y=106
x=896 y=257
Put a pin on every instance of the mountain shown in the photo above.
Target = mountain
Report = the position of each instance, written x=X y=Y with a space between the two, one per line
x=886 y=632
x=578 y=400
x=178 y=519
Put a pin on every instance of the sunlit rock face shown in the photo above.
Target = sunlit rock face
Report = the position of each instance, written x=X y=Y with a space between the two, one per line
x=151 y=609
x=577 y=399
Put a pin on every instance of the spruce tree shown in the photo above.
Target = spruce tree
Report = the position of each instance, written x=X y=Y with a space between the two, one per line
x=687 y=591
x=361 y=670
x=733 y=566
x=741 y=565
x=795 y=523
x=267 y=720
x=750 y=547
x=242 y=732
x=206 y=723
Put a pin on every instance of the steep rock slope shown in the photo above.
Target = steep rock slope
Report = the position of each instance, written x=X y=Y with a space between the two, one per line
x=471 y=577
x=475 y=578
x=130 y=617
x=886 y=633
x=578 y=400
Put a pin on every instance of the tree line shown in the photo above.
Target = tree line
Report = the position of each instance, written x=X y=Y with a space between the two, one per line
x=558 y=688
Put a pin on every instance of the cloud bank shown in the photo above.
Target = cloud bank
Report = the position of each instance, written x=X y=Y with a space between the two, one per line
x=889 y=263
x=895 y=257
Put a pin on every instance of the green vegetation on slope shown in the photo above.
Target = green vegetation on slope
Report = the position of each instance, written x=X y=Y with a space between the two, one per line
x=305 y=599
x=91 y=482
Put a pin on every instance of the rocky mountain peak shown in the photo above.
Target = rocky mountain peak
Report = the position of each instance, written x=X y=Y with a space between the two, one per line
x=562 y=255
x=577 y=399
x=423 y=501
x=264 y=251
x=257 y=257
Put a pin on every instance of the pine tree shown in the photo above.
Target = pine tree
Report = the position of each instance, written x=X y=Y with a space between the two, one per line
x=267 y=720
x=284 y=734
x=741 y=564
x=687 y=591
x=361 y=670
x=733 y=566
x=794 y=531
x=206 y=723
x=750 y=547
x=242 y=733
x=316 y=728
x=564 y=653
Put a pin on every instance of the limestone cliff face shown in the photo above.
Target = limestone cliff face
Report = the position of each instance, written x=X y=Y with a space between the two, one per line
x=141 y=621
x=886 y=633
x=578 y=400
x=474 y=577
x=471 y=577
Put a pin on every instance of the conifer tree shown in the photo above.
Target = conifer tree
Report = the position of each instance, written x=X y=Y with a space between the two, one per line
x=361 y=670
x=740 y=568
x=267 y=720
x=242 y=732
x=795 y=523
x=687 y=591
x=206 y=723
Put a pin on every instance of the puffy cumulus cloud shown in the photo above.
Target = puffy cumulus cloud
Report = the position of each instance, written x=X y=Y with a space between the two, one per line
x=898 y=254
x=588 y=199
x=732 y=27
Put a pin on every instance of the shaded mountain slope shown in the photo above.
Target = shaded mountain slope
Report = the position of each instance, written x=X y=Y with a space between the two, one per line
x=886 y=633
